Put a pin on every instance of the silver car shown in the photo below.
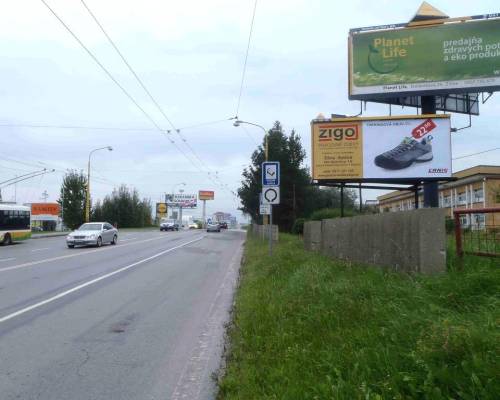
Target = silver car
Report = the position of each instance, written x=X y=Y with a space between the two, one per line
x=213 y=227
x=93 y=234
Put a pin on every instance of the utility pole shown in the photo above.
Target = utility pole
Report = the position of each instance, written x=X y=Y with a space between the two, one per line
x=45 y=196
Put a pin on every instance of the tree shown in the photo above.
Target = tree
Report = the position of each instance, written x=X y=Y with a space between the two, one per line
x=298 y=198
x=124 y=208
x=72 y=198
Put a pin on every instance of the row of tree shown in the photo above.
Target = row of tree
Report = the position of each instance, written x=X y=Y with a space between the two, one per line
x=298 y=198
x=122 y=207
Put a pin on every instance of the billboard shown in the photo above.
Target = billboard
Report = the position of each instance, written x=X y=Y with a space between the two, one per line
x=455 y=57
x=45 y=209
x=181 y=200
x=381 y=148
x=206 y=194
x=161 y=210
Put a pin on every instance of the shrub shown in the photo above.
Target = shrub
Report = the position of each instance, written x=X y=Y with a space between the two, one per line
x=328 y=213
x=298 y=226
x=450 y=225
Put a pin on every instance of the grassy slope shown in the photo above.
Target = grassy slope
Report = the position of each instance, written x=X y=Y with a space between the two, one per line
x=306 y=327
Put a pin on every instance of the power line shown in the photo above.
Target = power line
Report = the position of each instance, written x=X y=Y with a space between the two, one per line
x=110 y=76
x=475 y=154
x=141 y=83
x=246 y=59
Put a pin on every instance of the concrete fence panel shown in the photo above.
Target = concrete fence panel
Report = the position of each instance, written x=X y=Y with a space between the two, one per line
x=409 y=241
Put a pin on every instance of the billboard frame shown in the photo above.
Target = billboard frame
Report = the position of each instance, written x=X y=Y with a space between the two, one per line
x=399 y=181
x=410 y=93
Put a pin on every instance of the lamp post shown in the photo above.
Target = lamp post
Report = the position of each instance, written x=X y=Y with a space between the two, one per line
x=238 y=122
x=87 y=196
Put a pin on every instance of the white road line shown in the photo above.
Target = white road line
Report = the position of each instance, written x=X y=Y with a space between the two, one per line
x=91 y=282
x=124 y=240
x=76 y=254
x=7 y=259
x=44 y=248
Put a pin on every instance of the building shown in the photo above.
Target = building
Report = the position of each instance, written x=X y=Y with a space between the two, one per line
x=476 y=187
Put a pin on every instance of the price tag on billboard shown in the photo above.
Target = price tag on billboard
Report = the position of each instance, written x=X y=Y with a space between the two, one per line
x=423 y=129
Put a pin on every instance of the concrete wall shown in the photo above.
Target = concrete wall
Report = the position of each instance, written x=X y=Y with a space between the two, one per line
x=409 y=241
x=262 y=231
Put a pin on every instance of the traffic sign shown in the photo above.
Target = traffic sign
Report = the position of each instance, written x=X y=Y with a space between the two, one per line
x=265 y=209
x=271 y=173
x=271 y=195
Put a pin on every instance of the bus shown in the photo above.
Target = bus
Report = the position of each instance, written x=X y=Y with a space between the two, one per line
x=14 y=223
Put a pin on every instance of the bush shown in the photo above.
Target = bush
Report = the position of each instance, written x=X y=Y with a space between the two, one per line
x=450 y=225
x=298 y=226
x=328 y=213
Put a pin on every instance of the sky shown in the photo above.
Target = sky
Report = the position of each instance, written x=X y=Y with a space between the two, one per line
x=190 y=56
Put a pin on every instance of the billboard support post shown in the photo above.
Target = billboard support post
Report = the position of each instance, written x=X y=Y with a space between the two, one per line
x=204 y=213
x=342 y=200
x=431 y=195
x=270 y=227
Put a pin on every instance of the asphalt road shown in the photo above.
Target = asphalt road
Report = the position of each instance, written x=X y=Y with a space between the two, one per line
x=140 y=320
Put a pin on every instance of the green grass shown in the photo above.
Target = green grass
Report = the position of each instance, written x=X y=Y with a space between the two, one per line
x=306 y=327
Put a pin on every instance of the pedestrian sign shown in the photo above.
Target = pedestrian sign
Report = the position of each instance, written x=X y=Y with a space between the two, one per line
x=271 y=173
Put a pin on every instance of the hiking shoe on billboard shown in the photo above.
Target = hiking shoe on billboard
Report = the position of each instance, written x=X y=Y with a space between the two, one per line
x=405 y=154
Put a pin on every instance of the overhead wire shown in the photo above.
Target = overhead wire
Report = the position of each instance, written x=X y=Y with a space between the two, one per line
x=115 y=81
x=475 y=154
x=146 y=90
x=246 y=60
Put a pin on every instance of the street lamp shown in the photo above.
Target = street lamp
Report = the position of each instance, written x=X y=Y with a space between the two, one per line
x=238 y=122
x=87 y=197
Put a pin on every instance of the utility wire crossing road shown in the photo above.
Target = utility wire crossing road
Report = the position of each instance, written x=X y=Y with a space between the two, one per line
x=140 y=320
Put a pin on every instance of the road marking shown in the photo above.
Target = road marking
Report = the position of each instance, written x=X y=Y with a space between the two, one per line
x=43 y=248
x=124 y=240
x=76 y=254
x=7 y=259
x=91 y=282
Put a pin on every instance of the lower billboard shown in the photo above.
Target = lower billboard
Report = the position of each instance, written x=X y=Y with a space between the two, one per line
x=181 y=200
x=206 y=194
x=381 y=149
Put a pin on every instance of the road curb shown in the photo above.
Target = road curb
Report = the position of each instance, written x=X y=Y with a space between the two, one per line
x=42 y=236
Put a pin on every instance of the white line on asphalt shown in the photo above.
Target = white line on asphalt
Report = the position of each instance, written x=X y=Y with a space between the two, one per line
x=44 y=248
x=124 y=240
x=7 y=259
x=77 y=254
x=91 y=282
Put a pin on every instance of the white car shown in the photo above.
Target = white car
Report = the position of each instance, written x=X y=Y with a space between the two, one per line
x=93 y=234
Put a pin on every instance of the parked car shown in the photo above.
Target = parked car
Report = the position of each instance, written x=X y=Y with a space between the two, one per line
x=93 y=234
x=169 y=225
x=223 y=225
x=193 y=225
x=213 y=227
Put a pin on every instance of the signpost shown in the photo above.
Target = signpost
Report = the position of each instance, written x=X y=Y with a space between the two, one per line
x=270 y=193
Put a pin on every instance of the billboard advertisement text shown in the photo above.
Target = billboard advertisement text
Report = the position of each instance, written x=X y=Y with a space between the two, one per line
x=384 y=148
x=182 y=200
x=452 y=57
x=206 y=195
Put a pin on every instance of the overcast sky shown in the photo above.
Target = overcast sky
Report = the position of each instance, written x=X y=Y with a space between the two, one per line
x=190 y=55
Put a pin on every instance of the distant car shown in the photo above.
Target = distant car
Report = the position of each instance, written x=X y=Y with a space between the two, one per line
x=192 y=225
x=169 y=225
x=93 y=234
x=213 y=227
x=223 y=225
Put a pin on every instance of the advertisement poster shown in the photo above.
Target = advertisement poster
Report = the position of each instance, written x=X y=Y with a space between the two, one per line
x=461 y=57
x=182 y=200
x=206 y=194
x=383 y=149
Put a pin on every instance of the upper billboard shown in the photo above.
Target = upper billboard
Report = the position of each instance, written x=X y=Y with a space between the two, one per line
x=45 y=209
x=181 y=200
x=206 y=194
x=457 y=57
x=381 y=149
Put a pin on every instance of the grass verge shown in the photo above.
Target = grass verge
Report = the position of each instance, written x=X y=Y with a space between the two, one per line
x=307 y=327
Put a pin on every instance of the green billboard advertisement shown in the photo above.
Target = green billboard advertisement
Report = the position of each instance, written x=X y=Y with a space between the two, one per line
x=445 y=58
